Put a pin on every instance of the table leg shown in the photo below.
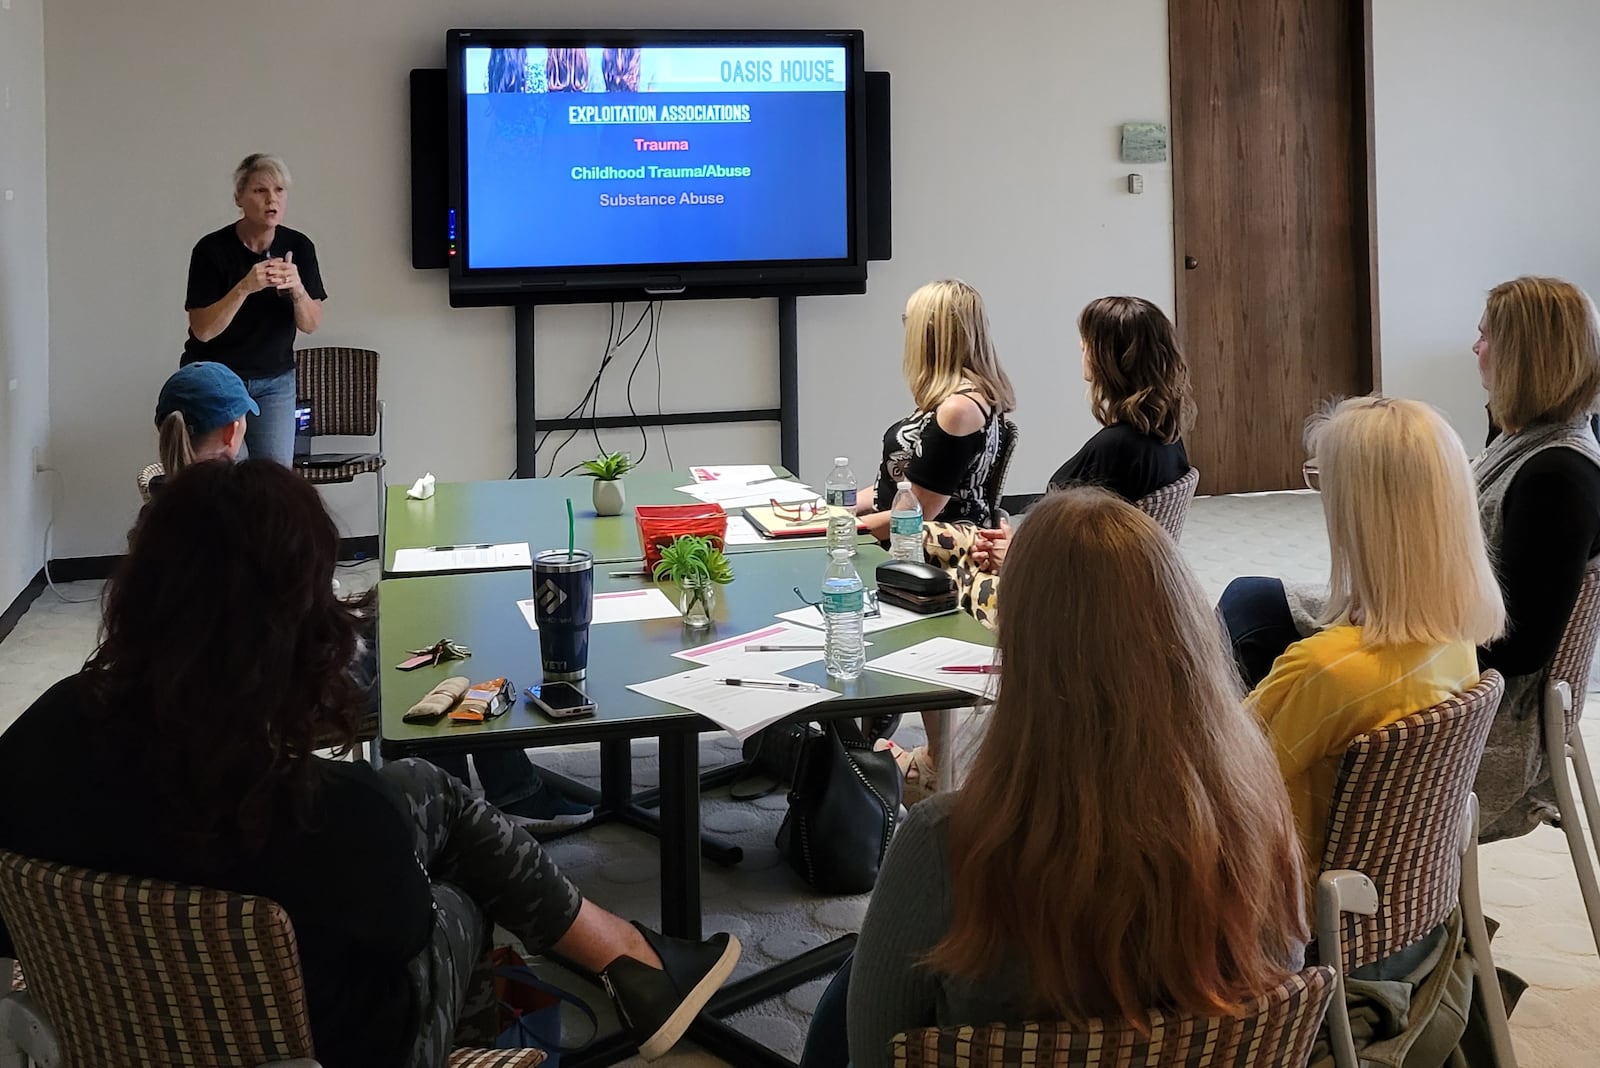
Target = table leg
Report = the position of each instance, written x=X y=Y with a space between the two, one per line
x=680 y=835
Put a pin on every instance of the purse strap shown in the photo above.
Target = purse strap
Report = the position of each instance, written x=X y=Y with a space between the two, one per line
x=525 y=976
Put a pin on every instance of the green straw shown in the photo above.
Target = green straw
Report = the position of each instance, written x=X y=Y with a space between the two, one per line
x=572 y=531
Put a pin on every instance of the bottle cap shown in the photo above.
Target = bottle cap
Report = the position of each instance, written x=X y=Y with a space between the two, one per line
x=904 y=483
x=840 y=461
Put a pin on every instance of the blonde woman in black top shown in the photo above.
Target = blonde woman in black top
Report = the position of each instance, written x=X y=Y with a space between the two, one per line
x=947 y=446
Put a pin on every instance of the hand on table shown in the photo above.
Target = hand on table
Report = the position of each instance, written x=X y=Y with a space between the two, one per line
x=867 y=501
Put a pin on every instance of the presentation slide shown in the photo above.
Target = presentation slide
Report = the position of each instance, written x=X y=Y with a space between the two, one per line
x=580 y=157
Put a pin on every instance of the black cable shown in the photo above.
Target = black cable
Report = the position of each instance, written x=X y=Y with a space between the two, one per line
x=644 y=433
x=655 y=334
x=613 y=345
x=594 y=385
x=611 y=332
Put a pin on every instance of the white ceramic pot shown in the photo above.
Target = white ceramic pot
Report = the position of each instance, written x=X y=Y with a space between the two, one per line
x=609 y=497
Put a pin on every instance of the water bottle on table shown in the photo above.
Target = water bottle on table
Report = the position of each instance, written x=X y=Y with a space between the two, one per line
x=905 y=525
x=843 y=608
x=840 y=493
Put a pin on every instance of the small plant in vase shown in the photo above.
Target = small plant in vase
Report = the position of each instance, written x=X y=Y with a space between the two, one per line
x=607 y=472
x=698 y=567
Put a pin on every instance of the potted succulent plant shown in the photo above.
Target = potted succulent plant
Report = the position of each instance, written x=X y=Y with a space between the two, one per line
x=607 y=472
x=698 y=567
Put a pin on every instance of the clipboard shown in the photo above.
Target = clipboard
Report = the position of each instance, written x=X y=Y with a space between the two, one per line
x=771 y=525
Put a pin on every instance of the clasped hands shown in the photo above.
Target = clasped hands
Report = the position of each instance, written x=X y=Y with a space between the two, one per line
x=275 y=273
x=989 y=548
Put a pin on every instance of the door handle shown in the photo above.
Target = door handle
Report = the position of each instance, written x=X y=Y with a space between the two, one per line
x=1190 y=263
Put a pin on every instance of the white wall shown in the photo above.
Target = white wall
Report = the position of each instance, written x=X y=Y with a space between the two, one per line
x=24 y=299
x=1005 y=143
x=1488 y=168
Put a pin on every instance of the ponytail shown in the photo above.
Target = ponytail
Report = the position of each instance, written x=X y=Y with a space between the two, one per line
x=176 y=447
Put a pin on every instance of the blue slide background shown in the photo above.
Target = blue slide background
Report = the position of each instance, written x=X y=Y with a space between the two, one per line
x=524 y=209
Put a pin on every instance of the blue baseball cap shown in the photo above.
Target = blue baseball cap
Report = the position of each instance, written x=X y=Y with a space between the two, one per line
x=209 y=395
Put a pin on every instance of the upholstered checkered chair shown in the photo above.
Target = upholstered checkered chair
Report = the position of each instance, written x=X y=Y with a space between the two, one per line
x=1565 y=689
x=1402 y=851
x=342 y=386
x=123 y=972
x=1169 y=505
x=1277 y=1031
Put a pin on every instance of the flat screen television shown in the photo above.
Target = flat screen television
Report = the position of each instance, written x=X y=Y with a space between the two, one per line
x=598 y=165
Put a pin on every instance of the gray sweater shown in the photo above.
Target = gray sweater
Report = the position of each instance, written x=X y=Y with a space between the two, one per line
x=890 y=991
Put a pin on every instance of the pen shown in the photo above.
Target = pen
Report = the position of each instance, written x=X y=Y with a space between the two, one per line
x=972 y=669
x=456 y=548
x=769 y=684
x=781 y=648
x=630 y=574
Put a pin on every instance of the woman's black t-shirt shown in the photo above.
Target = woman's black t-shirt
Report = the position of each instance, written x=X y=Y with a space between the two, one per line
x=918 y=450
x=1126 y=461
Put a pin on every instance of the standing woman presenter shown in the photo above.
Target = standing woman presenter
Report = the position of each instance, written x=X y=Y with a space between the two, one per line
x=254 y=285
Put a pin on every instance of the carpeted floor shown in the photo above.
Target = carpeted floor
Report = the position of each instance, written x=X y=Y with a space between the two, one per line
x=1528 y=884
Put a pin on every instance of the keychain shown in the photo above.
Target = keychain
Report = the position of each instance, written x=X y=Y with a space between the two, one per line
x=440 y=651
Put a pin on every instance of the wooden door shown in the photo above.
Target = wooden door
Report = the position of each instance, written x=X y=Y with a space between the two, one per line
x=1276 y=301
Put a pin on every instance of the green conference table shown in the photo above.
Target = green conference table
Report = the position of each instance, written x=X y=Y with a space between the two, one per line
x=480 y=610
x=534 y=510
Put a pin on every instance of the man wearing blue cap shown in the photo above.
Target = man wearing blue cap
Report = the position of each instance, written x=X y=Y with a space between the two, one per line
x=201 y=415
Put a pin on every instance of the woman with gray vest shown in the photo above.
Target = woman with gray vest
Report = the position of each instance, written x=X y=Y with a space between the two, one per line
x=1538 y=353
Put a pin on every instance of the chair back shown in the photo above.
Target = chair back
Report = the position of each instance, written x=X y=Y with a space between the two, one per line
x=151 y=471
x=1575 y=653
x=1169 y=505
x=1276 y=1031
x=342 y=385
x=994 y=487
x=138 y=971
x=1395 y=817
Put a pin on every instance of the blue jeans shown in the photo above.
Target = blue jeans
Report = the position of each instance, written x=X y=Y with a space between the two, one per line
x=1260 y=626
x=270 y=435
x=827 y=1039
x=507 y=775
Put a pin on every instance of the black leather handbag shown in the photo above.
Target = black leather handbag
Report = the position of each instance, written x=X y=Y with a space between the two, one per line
x=843 y=808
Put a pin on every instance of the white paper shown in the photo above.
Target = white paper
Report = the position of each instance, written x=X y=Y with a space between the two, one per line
x=740 y=532
x=422 y=488
x=463 y=558
x=923 y=661
x=741 y=474
x=739 y=710
x=732 y=495
x=731 y=655
x=890 y=615
x=624 y=606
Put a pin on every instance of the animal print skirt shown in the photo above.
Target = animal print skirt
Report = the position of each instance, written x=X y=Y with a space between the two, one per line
x=949 y=546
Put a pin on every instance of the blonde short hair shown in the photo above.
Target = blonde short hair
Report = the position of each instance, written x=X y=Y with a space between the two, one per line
x=948 y=342
x=1403 y=530
x=255 y=163
x=1545 y=345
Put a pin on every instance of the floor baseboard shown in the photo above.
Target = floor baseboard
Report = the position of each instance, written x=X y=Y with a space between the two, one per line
x=19 y=607
x=87 y=568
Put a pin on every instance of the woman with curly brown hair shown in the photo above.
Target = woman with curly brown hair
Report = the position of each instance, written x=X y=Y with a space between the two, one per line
x=183 y=751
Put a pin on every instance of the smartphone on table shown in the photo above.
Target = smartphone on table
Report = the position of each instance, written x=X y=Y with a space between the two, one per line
x=560 y=700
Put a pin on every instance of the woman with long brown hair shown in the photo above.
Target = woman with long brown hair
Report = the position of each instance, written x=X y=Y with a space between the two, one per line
x=1123 y=841
x=184 y=751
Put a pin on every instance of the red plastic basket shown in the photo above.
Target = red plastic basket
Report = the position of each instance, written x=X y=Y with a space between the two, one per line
x=661 y=524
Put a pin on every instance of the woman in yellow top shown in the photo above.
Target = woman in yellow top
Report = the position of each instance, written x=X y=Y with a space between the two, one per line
x=1412 y=596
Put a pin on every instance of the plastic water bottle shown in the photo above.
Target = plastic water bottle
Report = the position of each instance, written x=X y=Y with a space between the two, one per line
x=843 y=605
x=840 y=493
x=905 y=525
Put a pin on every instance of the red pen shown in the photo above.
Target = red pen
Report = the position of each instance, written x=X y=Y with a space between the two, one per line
x=972 y=669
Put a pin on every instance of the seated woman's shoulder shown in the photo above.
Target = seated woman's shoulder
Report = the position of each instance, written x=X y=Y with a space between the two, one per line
x=961 y=413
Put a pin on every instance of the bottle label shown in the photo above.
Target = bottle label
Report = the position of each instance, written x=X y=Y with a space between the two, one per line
x=838 y=498
x=843 y=603
x=909 y=524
